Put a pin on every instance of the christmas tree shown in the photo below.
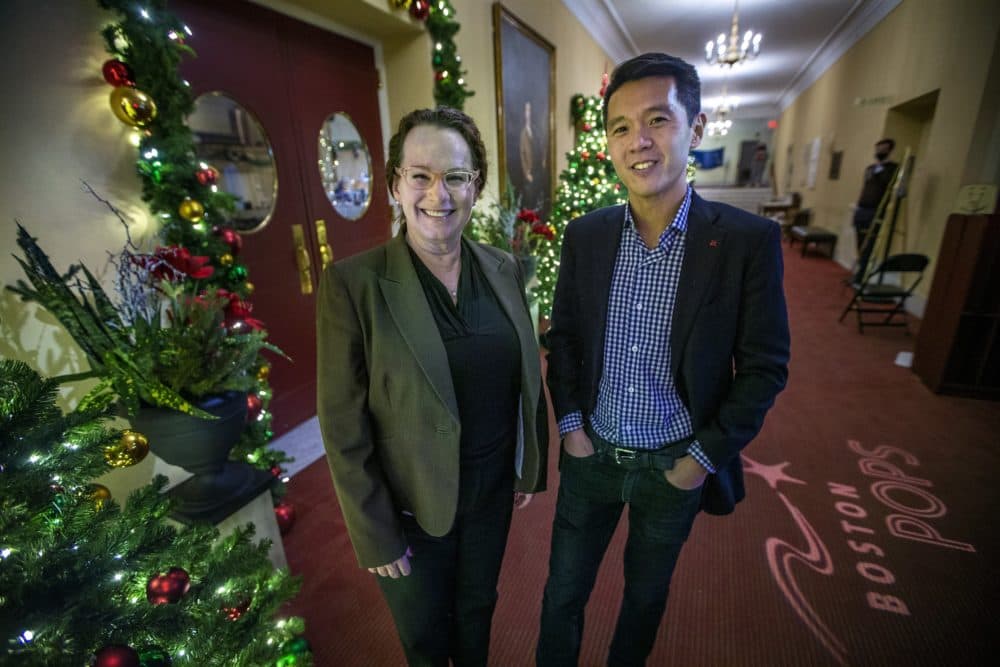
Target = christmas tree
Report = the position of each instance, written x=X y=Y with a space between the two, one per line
x=85 y=580
x=587 y=183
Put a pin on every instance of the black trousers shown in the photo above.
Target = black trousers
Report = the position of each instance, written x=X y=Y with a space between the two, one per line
x=592 y=495
x=444 y=608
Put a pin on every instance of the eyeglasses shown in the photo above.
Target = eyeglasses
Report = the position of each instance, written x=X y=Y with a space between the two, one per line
x=456 y=180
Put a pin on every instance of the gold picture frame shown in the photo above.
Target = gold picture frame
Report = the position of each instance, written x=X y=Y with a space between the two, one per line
x=525 y=74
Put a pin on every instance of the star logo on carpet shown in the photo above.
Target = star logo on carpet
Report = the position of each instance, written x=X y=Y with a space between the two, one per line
x=770 y=474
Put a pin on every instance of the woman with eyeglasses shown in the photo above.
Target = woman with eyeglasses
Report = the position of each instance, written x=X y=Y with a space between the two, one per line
x=430 y=396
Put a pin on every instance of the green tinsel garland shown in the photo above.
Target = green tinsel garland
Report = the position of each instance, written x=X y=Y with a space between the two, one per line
x=450 y=88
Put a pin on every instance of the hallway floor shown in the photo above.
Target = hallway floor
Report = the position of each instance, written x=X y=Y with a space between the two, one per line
x=865 y=538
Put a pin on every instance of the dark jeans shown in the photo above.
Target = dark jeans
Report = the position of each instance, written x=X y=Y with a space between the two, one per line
x=592 y=494
x=444 y=608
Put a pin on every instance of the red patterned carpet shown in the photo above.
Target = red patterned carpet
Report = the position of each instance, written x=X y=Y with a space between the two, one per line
x=865 y=538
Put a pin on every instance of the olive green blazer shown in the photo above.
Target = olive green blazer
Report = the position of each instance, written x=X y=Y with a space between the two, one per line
x=386 y=404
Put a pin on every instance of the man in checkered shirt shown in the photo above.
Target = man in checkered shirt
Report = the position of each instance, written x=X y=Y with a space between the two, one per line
x=669 y=343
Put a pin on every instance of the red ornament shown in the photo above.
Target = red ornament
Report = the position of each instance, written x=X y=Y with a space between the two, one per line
x=438 y=76
x=207 y=176
x=585 y=155
x=276 y=470
x=254 y=406
x=117 y=73
x=232 y=239
x=238 y=310
x=169 y=587
x=587 y=127
x=420 y=9
x=284 y=512
x=234 y=612
x=601 y=155
x=116 y=655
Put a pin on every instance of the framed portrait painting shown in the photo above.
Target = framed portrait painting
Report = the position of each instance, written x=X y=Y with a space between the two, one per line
x=525 y=69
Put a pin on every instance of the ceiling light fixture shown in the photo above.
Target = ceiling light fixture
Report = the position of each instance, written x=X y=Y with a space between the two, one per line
x=720 y=53
x=721 y=123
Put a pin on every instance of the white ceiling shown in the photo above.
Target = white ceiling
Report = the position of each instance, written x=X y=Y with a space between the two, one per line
x=801 y=38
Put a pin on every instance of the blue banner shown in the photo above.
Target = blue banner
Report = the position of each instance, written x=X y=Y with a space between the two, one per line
x=708 y=159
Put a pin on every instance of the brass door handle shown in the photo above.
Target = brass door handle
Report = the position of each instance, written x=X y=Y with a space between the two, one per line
x=302 y=259
x=325 y=253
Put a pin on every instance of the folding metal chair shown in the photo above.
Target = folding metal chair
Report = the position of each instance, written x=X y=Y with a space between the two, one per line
x=876 y=296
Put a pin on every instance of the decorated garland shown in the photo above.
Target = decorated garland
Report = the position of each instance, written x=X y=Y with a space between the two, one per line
x=147 y=44
x=450 y=88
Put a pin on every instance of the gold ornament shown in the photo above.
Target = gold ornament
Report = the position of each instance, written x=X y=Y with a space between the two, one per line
x=263 y=372
x=132 y=106
x=131 y=448
x=226 y=259
x=401 y=4
x=248 y=287
x=191 y=210
x=99 y=494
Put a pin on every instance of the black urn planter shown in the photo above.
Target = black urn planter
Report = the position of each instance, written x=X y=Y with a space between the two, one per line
x=201 y=446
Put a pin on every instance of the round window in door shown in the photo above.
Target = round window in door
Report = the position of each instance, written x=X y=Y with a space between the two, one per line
x=345 y=167
x=232 y=145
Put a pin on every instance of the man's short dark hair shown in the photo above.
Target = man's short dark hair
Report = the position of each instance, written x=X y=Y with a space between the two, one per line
x=658 y=64
x=892 y=143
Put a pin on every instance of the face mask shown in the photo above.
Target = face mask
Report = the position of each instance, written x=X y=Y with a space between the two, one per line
x=881 y=155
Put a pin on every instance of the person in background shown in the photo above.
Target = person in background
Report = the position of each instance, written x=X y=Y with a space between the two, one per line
x=758 y=165
x=669 y=343
x=877 y=179
x=430 y=397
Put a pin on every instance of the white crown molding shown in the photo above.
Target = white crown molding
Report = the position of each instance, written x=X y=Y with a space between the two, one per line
x=863 y=16
x=605 y=25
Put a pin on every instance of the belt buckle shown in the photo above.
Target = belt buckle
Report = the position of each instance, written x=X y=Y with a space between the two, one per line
x=625 y=455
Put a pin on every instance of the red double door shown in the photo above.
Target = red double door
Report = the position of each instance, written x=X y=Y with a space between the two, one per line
x=291 y=77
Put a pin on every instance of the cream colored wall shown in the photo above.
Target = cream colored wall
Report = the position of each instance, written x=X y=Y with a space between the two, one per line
x=922 y=46
x=57 y=130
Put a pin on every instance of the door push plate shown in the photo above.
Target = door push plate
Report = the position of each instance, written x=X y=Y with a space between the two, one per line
x=302 y=259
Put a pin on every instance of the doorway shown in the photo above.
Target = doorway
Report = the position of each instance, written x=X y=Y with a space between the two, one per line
x=294 y=79
x=909 y=124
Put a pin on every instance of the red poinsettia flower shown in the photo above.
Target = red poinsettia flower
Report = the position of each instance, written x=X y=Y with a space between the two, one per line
x=528 y=215
x=173 y=263
x=545 y=230
x=238 y=312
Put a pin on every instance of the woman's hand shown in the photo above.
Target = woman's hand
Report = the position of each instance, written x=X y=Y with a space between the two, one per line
x=396 y=569
x=522 y=499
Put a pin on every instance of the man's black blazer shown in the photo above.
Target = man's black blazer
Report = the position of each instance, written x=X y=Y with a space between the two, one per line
x=729 y=341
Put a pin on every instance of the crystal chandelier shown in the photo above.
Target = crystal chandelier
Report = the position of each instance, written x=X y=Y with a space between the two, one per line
x=721 y=124
x=735 y=52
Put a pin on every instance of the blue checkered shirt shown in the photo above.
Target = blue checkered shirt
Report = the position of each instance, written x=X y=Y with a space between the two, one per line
x=637 y=402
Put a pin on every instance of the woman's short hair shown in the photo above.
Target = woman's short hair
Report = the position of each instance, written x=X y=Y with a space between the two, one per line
x=446 y=117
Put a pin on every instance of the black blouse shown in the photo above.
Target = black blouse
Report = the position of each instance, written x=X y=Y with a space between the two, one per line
x=483 y=354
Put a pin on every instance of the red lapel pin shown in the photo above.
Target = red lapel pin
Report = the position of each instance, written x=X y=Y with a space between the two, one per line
x=713 y=244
